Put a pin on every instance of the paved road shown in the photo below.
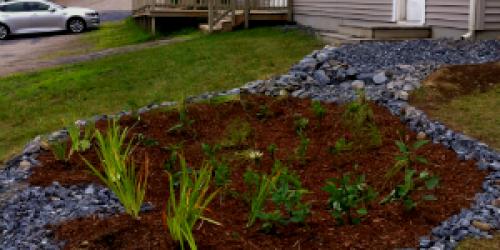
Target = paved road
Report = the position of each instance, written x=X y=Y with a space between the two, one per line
x=24 y=53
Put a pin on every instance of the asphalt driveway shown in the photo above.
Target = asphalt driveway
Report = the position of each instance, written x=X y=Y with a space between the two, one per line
x=26 y=53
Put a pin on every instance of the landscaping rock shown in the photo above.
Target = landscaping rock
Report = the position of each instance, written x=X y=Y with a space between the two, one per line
x=321 y=77
x=482 y=226
x=380 y=78
x=421 y=136
x=358 y=84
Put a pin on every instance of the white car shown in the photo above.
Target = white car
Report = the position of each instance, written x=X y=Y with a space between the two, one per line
x=36 y=16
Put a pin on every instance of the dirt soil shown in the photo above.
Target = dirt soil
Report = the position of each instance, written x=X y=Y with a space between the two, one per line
x=453 y=81
x=385 y=226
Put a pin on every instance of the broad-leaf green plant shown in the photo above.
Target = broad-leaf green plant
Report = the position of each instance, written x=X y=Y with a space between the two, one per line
x=349 y=198
x=407 y=157
x=189 y=205
x=412 y=183
x=236 y=133
x=118 y=170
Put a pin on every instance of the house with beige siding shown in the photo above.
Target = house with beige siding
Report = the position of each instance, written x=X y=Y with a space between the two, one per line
x=386 y=19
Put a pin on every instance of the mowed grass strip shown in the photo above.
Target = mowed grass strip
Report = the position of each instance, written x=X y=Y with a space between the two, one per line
x=466 y=98
x=37 y=103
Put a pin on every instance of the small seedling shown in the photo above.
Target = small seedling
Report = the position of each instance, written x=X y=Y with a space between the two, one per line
x=300 y=124
x=188 y=207
x=237 y=133
x=174 y=154
x=264 y=112
x=60 y=150
x=407 y=158
x=78 y=143
x=318 y=110
x=349 y=195
x=222 y=170
x=301 y=150
x=341 y=146
x=272 y=151
x=148 y=142
x=404 y=191
x=184 y=121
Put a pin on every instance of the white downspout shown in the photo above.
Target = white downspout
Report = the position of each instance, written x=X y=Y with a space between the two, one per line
x=471 y=34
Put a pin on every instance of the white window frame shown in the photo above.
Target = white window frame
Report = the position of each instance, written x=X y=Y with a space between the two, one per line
x=399 y=12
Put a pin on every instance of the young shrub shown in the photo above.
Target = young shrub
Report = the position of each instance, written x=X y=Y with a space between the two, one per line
x=285 y=192
x=237 y=133
x=358 y=117
x=407 y=158
x=186 y=208
x=318 y=110
x=119 y=171
x=412 y=183
x=349 y=195
x=184 y=121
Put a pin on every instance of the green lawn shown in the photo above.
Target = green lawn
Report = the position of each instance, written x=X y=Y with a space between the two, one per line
x=37 y=103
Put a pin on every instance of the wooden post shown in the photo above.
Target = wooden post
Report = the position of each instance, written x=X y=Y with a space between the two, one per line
x=290 y=11
x=233 y=10
x=247 y=14
x=153 y=25
x=210 y=15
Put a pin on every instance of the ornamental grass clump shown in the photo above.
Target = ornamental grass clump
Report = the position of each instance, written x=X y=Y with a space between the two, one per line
x=186 y=208
x=118 y=170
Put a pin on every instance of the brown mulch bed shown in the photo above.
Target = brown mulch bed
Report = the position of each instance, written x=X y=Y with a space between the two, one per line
x=385 y=227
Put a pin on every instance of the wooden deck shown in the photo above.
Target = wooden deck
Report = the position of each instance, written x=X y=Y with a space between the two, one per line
x=217 y=12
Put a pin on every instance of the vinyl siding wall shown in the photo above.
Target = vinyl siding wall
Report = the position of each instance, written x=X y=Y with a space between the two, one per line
x=448 y=13
x=328 y=14
x=491 y=15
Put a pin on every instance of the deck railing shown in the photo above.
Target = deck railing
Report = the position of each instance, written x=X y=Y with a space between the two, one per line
x=204 y=4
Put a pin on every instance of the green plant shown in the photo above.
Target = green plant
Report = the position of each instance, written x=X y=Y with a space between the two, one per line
x=407 y=158
x=318 y=110
x=358 y=117
x=341 y=146
x=222 y=171
x=258 y=190
x=301 y=150
x=347 y=195
x=285 y=192
x=174 y=150
x=60 y=150
x=237 y=133
x=188 y=207
x=119 y=171
x=300 y=124
x=272 y=150
x=184 y=121
x=404 y=191
x=148 y=142
x=78 y=143
x=264 y=112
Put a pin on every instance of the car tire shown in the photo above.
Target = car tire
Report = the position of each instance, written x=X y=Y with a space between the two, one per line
x=4 y=32
x=76 y=25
